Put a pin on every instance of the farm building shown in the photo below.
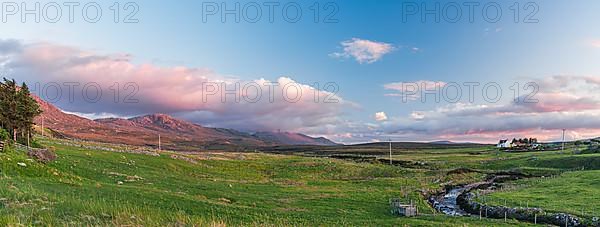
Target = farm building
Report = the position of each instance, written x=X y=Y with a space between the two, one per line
x=525 y=143
x=504 y=144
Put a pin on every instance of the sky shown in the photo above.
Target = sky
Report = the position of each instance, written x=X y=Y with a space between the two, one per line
x=352 y=71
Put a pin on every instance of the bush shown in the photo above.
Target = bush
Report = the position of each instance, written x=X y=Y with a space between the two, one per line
x=4 y=135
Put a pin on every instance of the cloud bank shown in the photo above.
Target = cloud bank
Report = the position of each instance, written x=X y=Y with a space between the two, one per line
x=130 y=89
x=563 y=102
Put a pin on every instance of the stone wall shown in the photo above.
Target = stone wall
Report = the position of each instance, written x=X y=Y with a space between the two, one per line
x=532 y=215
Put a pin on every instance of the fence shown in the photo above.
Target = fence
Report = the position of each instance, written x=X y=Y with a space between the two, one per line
x=401 y=209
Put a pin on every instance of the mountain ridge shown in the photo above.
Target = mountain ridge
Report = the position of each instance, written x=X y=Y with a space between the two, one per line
x=176 y=134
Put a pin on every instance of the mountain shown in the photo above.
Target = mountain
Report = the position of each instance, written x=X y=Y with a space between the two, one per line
x=175 y=134
x=288 y=138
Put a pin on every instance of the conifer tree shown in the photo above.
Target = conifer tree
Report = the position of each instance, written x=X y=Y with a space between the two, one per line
x=18 y=108
x=27 y=110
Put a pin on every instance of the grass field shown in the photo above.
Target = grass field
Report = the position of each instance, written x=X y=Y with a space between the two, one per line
x=573 y=192
x=95 y=187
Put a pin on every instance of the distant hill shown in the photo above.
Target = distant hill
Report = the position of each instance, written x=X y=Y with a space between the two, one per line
x=176 y=134
x=288 y=138
x=442 y=142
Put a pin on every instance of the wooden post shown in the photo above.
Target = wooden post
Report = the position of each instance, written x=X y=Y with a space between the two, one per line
x=159 y=148
x=535 y=219
x=505 y=219
x=391 y=152
x=563 y=140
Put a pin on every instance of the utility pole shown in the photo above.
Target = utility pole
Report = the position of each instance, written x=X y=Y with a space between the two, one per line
x=42 y=126
x=390 y=151
x=563 y=140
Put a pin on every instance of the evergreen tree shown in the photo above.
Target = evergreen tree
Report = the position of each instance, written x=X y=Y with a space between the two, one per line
x=8 y=104
x=27 y=110
x=18 y=108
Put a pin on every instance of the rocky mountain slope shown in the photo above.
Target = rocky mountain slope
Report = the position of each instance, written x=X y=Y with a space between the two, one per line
x=175 y=134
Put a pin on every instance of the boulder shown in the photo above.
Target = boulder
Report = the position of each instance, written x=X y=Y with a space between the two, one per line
x=42 y=155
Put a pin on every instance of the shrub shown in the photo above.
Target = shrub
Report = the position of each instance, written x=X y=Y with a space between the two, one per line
x=4 y=135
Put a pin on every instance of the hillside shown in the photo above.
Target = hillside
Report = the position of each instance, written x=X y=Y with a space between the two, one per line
x=289 y=138
x=176 y=134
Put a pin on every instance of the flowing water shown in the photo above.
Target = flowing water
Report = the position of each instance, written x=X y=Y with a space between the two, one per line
x=447 y=203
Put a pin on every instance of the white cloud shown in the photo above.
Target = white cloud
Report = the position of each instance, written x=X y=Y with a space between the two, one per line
x=381 y=116
x=417 y=116
x=363 y=51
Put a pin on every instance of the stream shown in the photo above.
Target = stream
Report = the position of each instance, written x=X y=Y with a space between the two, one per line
x=449 y=203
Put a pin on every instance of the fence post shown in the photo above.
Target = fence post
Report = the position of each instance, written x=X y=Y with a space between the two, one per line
x=480 y=211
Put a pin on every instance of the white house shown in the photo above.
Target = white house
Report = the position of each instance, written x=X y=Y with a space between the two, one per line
x=504 y=144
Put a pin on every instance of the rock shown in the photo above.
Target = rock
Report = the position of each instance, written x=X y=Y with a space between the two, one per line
x=120 y=182
x=42 y=155
x=22 y=164
x=224 y=200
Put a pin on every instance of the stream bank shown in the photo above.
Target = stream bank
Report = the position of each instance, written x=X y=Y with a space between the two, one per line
x=461 y=201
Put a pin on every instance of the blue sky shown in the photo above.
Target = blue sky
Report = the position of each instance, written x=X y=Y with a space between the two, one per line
x=172 y=34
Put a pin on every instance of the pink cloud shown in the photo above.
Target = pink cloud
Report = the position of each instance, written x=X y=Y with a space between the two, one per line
x=561 y=102
x=364 y=51
x=178 y=90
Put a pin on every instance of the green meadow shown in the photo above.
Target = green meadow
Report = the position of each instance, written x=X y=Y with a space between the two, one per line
x=86 y=186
